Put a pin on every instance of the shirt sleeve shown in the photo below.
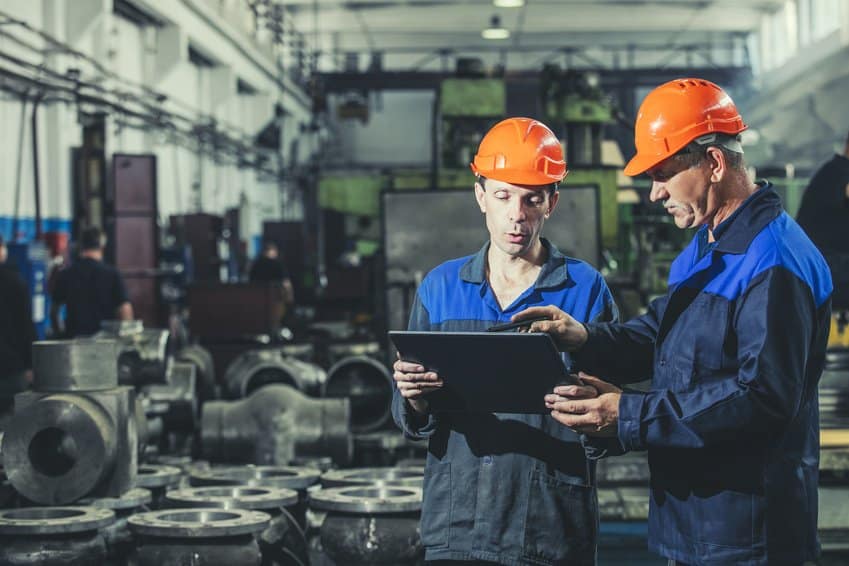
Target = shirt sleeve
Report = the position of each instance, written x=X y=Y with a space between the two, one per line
x=120 y=290
x=633 y=341
x=603 y=310
x=776 y=327
x=411 y=423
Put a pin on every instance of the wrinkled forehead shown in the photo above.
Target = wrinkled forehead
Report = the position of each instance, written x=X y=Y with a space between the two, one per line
x=495 y=185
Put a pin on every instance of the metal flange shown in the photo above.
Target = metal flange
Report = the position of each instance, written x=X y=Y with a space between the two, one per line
x=365 y=500
x=75 y=365
x=53 y=520
x=130 y=500
x=190 y=523
x=254 y=498
x=377 y=477
x=290 y=477
x=152 y=476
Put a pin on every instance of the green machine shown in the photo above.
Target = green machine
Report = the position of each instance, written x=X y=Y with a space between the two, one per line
x=578 y=111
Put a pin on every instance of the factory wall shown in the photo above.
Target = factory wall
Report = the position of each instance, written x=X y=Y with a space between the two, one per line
x=799 y=110
x=157 y=57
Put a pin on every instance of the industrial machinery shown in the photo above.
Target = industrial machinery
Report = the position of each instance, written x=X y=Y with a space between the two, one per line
x=31 y=259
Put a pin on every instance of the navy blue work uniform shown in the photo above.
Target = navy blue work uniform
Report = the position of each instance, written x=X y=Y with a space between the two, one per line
x=824 y=214
x=91 y=291
x=17 y=334
x=507 y=488
x=731 y=422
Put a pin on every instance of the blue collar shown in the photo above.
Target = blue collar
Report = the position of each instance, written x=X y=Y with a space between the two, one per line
x=552 y=274
x=735 y=233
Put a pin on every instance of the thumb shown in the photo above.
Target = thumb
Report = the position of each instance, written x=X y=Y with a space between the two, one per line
x=600 y=385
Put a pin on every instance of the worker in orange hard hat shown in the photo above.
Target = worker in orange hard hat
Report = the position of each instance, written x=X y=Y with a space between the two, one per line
x=735 y=350
x=505 y=488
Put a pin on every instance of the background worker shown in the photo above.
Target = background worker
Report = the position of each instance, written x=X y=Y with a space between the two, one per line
x=91 y=290
x=17 y=332
x=504 y=488
x=824 y=214
x=269 y=267
x=735 y=350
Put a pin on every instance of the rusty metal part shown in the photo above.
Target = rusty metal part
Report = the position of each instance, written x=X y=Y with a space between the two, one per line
x=198 y=356
x=383 y=448
x=370 y=525
x=376 y=477
x=53 y=520
x=274 y=425
x=368 y=500
x=212 y=537
x=288 y=477
x=175 y=402
x=283 y=543
x=118 y=537
x=257 y=368
x=61 y=447
x=143 y=351
x=53 y=536
x=200 y=523
x=158 y=479
x=341 y=350
x=234 y=497
x=75 y=365
x=368 y=384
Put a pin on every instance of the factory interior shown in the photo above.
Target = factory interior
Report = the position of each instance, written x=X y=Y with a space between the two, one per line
x=257 y=189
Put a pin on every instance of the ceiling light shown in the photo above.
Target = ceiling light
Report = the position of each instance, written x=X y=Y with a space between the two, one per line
x=508 y=3
x=495 y=31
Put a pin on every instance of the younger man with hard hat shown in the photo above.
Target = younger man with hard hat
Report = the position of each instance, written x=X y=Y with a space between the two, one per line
x=504 y=488
x=735 y=350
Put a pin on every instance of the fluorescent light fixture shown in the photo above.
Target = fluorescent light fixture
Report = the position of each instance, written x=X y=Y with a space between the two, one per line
x=508 y=3
x=495 y=31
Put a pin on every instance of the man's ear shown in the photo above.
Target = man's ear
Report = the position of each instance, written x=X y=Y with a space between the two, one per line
x=718 y=165
x=552 y=202
x=480 y=195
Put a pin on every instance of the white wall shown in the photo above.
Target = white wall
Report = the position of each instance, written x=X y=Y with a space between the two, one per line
x=188 y=179
x=800 y=112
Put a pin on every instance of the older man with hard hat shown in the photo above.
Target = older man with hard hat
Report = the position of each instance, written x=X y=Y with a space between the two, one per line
x=504 y=488
x=735 y=350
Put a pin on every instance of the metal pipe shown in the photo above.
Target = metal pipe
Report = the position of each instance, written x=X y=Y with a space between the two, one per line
x=18 y=167
x=273 y=425
x=35 y=173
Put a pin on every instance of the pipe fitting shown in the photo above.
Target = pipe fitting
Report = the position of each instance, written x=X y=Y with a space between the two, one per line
x=274 y=425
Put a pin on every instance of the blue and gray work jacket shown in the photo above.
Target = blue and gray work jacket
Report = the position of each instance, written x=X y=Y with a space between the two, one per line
x=507 y=488
x=731 y=424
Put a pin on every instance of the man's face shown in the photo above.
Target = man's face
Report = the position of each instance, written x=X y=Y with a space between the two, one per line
x=514 y=213
x=683 y=190
x=3 y=253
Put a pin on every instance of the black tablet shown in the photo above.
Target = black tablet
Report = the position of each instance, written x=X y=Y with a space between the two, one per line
x=487 y=372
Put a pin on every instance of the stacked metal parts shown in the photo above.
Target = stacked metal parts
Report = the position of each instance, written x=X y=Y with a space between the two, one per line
x=102 y=458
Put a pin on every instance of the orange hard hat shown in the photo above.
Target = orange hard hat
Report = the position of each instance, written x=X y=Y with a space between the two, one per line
x=521 y=151
x=675 y=114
